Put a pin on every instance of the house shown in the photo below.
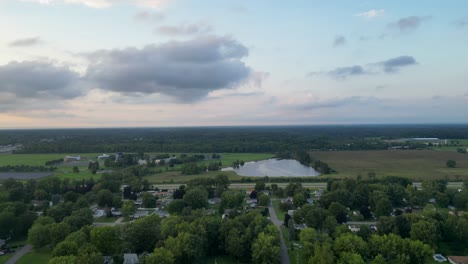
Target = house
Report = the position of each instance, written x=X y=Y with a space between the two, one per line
x=71 y=158
x=310 y=201
x=299 y=226
x=291 y=212
x=108 y=260
x=131 y=259
x=354 y=228
x=99 y=213
x=287 y=200
x=140 y=214
x=142 y=162
x=250 y=201
x=103 y=156
x=458 y=259
x=318 y=193
x=214 y=201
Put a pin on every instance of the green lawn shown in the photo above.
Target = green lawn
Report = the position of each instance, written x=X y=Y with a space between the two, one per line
x=5 y=258
x=416 y=164
x=105 y=219
x=35 y=257
x=279 y=213
x=37 y=159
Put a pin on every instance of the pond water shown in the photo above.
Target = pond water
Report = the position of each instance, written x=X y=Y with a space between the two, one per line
x=274 y=168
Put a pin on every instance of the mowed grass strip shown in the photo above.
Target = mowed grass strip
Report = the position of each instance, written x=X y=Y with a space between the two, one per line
x=416 y=164
x=37 y=159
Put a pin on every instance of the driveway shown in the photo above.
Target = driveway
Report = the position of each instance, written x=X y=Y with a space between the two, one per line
x=19 y=254
x=278 y=223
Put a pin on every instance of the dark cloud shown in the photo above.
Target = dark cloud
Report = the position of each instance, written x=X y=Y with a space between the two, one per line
x=387 y=66
x=339 y=41
x=410 y=23
x=35 y=79
x=184 y=29
x=185 y=70
x=394 y=64
x=344 y=72
x=25 y=42
x=149 y=16
x=340 y=102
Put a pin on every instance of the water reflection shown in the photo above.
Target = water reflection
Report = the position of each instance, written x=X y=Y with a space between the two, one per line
x=274 y=168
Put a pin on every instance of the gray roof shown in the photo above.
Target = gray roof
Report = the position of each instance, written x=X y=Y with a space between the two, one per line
x=131 y=259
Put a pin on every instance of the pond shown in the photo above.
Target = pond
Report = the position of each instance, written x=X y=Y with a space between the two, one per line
x=274 y=168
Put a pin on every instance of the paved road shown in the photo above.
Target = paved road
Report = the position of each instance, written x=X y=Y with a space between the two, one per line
x=278 y=223
x=314 y=185
x=361 y=223
x=20 y=253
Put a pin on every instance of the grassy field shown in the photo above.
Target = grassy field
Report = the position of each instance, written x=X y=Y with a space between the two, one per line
x=177 y=177
x=35 y=257
x=5 y=258
x=279 y=213
x=37 y=159
x=416 y=164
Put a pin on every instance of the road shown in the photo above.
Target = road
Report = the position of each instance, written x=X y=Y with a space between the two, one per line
x=278 y=223
x=361 y=223
x=312 y=185
x=19 y=254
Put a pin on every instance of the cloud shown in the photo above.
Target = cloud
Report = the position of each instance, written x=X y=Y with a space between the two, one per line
x=344 y=72
x=339 y=41
x=371 y=13
x=461 y=23
x=149 y=16
x=184 y=70
x=394 y=64
x=410 y=23
x=25 y=42
x=340 y=102
x=184 y=29
x=103 y=3
x=35 y=79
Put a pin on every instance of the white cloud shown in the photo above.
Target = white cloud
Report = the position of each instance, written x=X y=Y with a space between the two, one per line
x=103 y=3
x=371 y=13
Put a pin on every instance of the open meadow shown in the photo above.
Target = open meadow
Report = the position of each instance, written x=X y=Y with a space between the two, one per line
x=418 y=165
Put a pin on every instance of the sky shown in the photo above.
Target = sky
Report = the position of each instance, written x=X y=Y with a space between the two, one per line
x=151 y=63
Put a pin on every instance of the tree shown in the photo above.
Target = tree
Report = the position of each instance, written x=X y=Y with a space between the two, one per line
x=75 y=169
x=58 y=232
x=383 y=207
x=299 y=199
x=232 y=199
x=106 y=239
x=265 y=250
x=424 y=231
x=259 y=186
x=196 y=198
x=105 y=198
x=65 y=248
x=263 y=200
x=307 y=237
x=38 y=236
x=176 y=206
x=323 y=254
x=128 y=208
x=160 y=255
x=149 y=200
x=350 y=258
x=350 y=243
x=143 y=234
x=451 y=163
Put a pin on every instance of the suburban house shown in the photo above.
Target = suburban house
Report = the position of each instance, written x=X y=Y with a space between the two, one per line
x=458 y=259
x=103 y=156
x=354 y=228
x=71 y=158
x=131 y=259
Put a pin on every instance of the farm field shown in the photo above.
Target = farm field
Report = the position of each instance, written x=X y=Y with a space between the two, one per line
x=37 y=159
x=418 y=165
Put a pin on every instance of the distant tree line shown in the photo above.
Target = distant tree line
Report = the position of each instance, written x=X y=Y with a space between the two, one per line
x=26 y=168
x=225 y=140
